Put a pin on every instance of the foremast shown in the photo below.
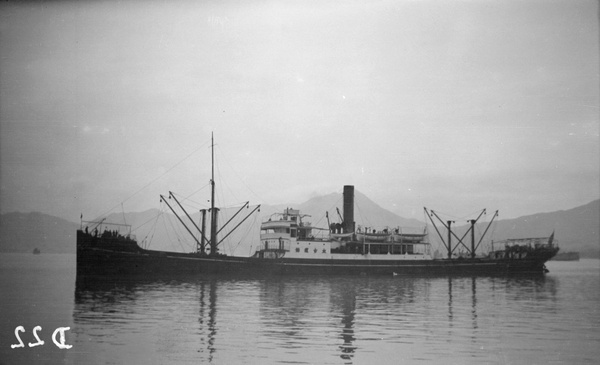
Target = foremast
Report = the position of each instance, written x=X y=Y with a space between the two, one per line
x=213 y=242
x=213 y=211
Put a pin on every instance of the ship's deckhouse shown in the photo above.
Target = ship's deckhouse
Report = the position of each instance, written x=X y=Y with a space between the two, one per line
x=286 y=235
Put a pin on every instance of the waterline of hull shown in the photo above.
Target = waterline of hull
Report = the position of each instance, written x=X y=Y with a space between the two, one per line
x=94 y=261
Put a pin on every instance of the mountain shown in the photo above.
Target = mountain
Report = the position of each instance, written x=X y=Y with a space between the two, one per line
x=162 y=231
x=22 y=232
x=575 y=229
x=366 y=212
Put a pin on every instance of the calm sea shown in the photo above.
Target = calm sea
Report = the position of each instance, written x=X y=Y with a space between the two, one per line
x=308 y=320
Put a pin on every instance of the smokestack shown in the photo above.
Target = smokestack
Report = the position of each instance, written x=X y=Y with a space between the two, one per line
x=348 y=208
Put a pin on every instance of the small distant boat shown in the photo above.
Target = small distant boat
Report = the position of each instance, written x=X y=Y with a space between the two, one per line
x=36 y=251
x=567 y=256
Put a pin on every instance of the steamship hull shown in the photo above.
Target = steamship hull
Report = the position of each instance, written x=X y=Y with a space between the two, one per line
x=290 y=245
x=133 y=261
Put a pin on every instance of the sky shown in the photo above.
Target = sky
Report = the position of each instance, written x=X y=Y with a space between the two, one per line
x=450 y=105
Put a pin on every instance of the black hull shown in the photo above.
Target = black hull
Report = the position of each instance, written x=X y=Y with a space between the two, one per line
x=129 y=260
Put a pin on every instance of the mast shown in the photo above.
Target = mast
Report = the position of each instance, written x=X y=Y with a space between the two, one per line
x=213 y=210
x=203 y=239
x=449 y=240
x=472 y=221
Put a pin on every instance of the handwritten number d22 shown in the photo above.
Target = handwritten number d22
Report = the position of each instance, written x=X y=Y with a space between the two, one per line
x=59 y=343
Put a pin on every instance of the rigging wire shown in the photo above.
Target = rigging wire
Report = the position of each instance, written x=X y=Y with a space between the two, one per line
x=322 y=216
x=238 y=176
x=220 y=192
x=123 y=211
x=176 y=232
x=366 y=222
x=492 y=234
x=146 y=222
x=223 y=183
x=249 y=227
x=439 y=247
x=188 y=202
x=457 y=218
x=154 y=180
x=153 y=231
x=224 y=212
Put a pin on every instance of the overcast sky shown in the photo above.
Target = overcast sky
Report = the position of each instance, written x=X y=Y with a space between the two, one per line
x=452 y=105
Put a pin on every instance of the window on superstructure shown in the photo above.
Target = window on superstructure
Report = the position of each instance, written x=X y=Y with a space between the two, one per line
x=277 y=230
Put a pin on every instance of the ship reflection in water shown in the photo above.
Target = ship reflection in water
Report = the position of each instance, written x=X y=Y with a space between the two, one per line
x=310 y=320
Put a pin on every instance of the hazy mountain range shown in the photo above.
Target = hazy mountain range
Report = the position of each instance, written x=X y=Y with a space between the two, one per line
x=575 y=229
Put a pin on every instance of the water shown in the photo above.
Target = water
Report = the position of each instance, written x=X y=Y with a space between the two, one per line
x=308 y=320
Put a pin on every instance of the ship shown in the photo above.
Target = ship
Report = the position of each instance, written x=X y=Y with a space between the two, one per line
x=291 y=245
